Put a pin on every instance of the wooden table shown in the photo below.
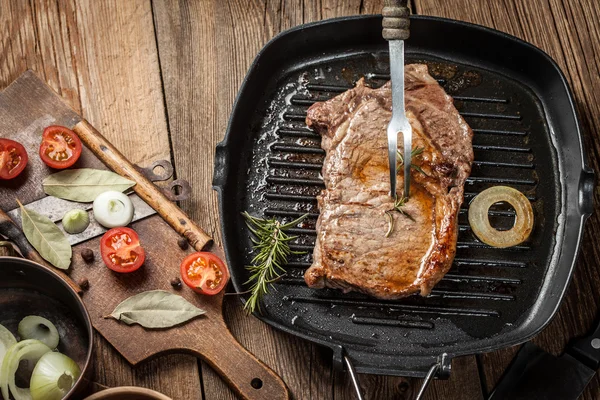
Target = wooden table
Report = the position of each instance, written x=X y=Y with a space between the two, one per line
x=159 y=79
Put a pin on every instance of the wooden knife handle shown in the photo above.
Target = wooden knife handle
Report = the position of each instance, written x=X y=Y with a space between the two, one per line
x=169 y=211
x=244 y=373
x=12 y=231
x=395 y=20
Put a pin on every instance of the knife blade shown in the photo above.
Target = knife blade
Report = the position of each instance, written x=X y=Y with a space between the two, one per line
x=55 y=208
x=537 y=375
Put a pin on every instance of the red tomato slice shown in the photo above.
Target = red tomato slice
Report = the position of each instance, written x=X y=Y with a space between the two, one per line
x=60 y=147
x=205 y=273
x=13 y=158
x=121 y=250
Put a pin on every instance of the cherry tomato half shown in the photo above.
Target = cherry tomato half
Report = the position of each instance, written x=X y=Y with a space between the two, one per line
x=121 y=250
x=204 y=272
x=60 y=147
x=13 y=158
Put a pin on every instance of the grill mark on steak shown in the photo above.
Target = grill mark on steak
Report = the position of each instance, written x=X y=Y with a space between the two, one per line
x=351 y=251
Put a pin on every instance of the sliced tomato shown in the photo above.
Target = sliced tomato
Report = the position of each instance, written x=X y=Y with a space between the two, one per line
x=205 y=273
x=121 y=250
x=13 y=158
x=60 y=147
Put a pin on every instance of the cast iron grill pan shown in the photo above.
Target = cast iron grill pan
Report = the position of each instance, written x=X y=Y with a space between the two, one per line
x=270 y=163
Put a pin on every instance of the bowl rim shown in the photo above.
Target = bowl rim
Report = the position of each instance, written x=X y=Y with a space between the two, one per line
x=81 y=381
x=127 y=390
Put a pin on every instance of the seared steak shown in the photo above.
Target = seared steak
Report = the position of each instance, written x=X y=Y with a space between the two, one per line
x=352 y=251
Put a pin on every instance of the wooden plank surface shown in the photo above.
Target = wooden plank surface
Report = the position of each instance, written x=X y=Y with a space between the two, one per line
x=158 y=74
x=101 y=58
x=203 y=61
x=568 y=31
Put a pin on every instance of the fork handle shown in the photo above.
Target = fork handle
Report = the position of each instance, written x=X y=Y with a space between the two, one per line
x=395 y=20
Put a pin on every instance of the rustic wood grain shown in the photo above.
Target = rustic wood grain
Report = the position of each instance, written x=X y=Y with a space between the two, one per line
x=101 y=58
x=147 y=191
x=207 y=337
x=203 y=63
x=566 y=31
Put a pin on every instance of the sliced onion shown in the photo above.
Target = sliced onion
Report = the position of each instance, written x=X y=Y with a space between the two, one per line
x=480 y=222
x=113 y=209
x=30 y=350
x=7 y=340
x=34 y=327
x=75 y=221
x=5 y=368
x=54 y=375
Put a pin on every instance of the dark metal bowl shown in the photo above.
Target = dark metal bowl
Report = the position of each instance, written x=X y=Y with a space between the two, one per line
x=27 y=288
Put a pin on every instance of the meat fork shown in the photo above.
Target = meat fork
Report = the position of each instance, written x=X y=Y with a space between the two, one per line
x=395 y=30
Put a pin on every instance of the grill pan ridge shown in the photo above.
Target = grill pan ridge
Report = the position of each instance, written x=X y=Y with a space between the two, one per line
x=526 y=135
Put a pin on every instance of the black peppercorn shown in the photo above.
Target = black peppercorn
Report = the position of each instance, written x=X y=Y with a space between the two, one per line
x=176 y=283
x=84 y=284
x=87 y=255
x=183 y=243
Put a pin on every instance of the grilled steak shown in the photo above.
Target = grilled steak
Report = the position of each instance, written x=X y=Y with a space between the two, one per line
x=352 y=251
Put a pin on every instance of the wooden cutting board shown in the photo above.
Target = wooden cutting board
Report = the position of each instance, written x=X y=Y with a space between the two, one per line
x=27 y=106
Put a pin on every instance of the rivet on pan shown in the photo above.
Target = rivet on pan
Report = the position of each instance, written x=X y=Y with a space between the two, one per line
x=596 y=343
x=167 y=171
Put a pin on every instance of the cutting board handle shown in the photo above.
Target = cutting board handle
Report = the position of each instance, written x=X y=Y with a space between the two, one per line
x=244 y=373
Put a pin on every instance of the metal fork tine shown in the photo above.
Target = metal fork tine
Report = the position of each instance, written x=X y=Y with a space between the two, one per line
x=407 y=136
x=398 y=122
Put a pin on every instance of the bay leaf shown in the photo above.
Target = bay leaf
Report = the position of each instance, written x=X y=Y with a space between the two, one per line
x=46 y=238
x=156 y=309
x=84 y=184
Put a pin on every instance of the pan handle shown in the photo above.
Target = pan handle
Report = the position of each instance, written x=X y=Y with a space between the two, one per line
x=440 y=369
x=354 y=377
x=395 y=20
x=221 y=163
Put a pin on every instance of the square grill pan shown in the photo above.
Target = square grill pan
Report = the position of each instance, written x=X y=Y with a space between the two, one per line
x=526 y=135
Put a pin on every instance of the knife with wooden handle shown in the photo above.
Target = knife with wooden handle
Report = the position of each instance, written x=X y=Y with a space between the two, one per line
x=16 y=235
x=168 y=210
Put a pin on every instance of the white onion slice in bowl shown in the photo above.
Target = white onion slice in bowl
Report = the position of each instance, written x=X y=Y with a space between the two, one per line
x=35 y=327
x=53 y=376
x=30 y=350
x=7 y=340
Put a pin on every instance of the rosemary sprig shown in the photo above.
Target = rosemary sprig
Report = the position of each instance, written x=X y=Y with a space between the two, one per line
x=272 y=245
x=398 y=204
x=417 y=151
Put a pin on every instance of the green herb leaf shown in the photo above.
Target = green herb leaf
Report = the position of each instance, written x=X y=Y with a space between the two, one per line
x=155 y=309
x=272 y=244
x=398 y=204
x=46 y=238
x=416 y=152
x=84 y=184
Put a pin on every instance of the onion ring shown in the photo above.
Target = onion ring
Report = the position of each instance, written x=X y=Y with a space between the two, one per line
x=480 y=222
x=35 y=327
